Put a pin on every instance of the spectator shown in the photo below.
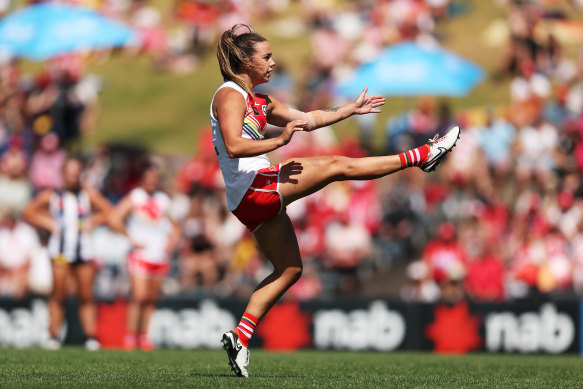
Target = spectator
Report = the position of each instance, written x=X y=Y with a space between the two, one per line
x=46 y=167
x=420 y=287
x=496 y=139
x=485 y=279
x=15 y=189
x=40 y=280
x=197 y=259
x=18 y=246
x=347 y=246
x=446 y=260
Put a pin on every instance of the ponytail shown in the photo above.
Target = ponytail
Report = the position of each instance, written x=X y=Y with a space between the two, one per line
x=231 y=51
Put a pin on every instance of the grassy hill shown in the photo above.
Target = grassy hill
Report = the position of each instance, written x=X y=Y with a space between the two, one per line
x=165 y=112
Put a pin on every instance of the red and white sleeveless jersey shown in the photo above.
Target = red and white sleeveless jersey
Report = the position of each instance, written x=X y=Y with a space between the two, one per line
x=239 y=173
x=149 y=224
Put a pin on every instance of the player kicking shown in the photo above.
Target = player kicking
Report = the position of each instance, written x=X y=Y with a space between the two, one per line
x=258 y=192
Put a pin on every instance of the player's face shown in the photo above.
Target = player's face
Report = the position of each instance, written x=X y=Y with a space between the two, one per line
x=150 y=180
x=262 y=63
x=72 y=175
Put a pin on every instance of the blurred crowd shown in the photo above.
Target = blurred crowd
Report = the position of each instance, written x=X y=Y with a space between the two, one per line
x=501 y=219
x=510 y=202
x=174 y=34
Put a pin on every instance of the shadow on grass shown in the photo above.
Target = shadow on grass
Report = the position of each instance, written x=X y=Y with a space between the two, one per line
x=212 y=375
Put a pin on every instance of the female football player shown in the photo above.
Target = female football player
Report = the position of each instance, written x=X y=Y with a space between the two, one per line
x=69 y=215
x=143 y=217
x=258 y=192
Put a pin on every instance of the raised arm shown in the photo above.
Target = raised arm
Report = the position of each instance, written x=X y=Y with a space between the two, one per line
x=280 y=115
x=37 y=212
x=229 y=109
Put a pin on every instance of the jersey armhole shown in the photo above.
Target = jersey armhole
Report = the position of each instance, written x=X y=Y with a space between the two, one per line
x=232 y=85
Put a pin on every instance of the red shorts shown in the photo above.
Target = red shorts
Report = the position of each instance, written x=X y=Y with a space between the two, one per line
x=262 y=200
x=138 y=266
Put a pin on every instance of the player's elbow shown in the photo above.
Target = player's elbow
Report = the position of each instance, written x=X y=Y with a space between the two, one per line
x=114 y=223
x=27 y=214
x=233 y=150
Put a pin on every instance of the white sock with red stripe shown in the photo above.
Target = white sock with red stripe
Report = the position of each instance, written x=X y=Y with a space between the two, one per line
x=414 y=156
x=246 y=327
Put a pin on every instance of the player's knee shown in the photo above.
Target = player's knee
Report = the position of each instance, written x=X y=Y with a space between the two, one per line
x=293 y=273
x=297 y=273
x=152 y=298
x=85 y=297
x=341 y=166
x=58 y=296
x=140 y=298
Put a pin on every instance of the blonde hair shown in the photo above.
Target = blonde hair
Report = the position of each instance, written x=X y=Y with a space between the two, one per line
x=232 y=49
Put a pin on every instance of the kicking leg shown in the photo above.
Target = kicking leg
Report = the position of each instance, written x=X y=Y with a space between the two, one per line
x=301 y=177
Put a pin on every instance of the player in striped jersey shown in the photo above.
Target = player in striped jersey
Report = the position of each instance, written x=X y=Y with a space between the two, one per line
x=70 y=215
x=258 y=192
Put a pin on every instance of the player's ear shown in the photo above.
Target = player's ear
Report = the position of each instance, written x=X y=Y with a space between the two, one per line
x=247 y=63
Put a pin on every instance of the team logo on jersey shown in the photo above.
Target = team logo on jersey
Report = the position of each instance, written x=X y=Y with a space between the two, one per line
x=256 y=111
x=151 y=210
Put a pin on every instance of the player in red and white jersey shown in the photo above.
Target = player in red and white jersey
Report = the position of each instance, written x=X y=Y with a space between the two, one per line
x=239 y=173
x=258 y=192
x=143 y=217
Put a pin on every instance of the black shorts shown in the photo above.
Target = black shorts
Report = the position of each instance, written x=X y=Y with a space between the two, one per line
x=63 y=260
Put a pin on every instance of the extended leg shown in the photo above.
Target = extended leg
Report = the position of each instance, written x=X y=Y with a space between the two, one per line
x=301 y=177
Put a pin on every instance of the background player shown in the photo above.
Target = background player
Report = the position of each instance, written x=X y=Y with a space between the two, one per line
x=70 y=215
x=142 y=216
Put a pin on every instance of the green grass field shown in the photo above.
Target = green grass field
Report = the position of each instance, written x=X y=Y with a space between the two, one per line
x=75 y=367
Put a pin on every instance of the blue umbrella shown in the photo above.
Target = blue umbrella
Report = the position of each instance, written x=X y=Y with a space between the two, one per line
x=46 y=30
x=408 y=69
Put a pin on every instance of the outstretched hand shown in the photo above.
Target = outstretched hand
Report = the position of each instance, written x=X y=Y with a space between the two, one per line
x=364 y=104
